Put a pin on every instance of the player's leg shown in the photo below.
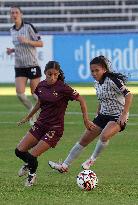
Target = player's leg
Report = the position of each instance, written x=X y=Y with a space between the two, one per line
x=86 y=138
x=27 y=142
x=33 y=85
x=36 y=151
x=20 y=83
x=34 y=74
x=21 y=152
x=110 y=130
x=48 y=138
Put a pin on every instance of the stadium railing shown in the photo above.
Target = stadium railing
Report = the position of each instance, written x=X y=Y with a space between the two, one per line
x=75 y=15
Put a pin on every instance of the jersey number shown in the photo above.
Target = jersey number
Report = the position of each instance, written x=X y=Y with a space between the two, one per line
x=33 y=70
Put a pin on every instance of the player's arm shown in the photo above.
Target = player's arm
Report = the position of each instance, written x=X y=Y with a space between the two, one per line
x=87 y=122
x=34 y=40
x=128 y=102
x=33 y=43
x=30 y=115
x=124 y=116
x=119 y=85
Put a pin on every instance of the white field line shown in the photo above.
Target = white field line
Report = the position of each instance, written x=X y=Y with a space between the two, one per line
x=71 y=123
x=67 y=113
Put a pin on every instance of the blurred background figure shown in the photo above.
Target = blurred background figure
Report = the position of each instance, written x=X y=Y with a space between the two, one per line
x=25 y=39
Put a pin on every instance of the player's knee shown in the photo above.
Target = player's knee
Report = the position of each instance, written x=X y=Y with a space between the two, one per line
x=83 y=143
x=104 y=140
x=21 y=96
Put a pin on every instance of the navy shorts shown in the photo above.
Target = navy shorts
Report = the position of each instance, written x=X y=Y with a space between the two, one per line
x=31 y=72
x=50 y=134
x=102 y=120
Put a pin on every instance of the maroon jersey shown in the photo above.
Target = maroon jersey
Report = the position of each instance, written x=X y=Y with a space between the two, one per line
x=53 y=102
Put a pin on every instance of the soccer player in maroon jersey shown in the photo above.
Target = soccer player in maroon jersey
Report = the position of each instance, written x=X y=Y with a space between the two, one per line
x=53 y=96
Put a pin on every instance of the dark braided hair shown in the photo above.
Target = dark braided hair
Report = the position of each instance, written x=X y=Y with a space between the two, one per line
x=55 y=65
x=105 y=63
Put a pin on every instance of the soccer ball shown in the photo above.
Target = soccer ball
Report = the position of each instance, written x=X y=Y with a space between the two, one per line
x=87 y=180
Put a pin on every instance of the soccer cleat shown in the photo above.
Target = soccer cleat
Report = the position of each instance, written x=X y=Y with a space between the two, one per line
x=23 y=171
x=62 y=168
x=31 y=180
x=87 y=164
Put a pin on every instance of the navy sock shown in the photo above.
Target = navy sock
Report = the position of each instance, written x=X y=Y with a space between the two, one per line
x=28 y=158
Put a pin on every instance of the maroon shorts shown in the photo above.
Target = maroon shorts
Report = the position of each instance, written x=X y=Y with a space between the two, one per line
x=50 y=134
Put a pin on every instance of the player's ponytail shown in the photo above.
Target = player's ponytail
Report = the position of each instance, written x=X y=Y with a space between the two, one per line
x=55 y=65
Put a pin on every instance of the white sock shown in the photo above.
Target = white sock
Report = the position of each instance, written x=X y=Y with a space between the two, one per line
x=35 y=96
x=98 y=149
x=26 y=102
x=74 y=152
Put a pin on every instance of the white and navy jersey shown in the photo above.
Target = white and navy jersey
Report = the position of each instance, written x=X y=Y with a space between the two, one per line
x=111 y=95
x=25 y=55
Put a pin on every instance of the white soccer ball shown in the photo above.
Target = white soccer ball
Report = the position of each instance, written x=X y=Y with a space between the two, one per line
x=87 y=180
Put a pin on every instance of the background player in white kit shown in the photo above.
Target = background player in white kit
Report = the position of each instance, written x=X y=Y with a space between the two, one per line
x=25 y=39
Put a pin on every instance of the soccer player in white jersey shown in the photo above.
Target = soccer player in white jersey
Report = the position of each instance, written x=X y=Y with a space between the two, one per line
x=25 y=39
x=112 y=113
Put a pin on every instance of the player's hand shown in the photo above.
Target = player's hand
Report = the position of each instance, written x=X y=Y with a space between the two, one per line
x=122 y=119
x=24 y=120
x=23 y=39
x=89 y=124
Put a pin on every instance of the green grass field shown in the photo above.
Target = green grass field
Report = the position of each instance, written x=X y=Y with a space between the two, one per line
x=116 y=168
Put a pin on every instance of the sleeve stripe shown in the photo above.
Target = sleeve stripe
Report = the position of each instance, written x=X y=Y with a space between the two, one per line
x=120 y=85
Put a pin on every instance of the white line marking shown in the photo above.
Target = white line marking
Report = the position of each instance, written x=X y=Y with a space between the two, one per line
x=67 y=113
x=72 y=123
